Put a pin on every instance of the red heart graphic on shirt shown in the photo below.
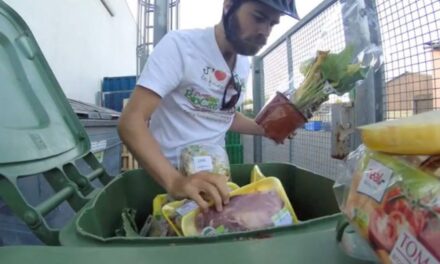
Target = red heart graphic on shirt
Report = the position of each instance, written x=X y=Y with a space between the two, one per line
x=219 y=75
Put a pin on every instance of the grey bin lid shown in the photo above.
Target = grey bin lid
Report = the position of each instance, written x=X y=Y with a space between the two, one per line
x=92 y=115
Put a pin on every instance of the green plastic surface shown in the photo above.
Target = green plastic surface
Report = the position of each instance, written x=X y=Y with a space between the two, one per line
x=311 y=196
x=307 y=247
x=38 y=128
x=39 y=132
x=235 y=153
x=232 y=138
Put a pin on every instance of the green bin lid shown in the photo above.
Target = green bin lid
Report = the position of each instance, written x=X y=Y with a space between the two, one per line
x=38 y=128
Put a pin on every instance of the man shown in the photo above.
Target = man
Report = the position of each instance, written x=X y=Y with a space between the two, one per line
x=188 y=91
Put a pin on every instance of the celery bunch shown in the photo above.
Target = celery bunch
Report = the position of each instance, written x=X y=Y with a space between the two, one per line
x=326 y=74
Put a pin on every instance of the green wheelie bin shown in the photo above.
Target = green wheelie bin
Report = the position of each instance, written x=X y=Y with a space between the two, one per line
x=41 y=135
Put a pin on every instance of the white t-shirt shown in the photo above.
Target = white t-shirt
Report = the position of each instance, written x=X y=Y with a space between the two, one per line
x=187 y=69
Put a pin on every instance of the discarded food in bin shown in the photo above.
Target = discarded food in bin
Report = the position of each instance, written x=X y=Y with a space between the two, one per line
x=258 y=205
x=128 y=227
x=256 y=174
x=174 y=211
x=415 y=135
x=160 y=226
x=395 y=205
x=204 y=157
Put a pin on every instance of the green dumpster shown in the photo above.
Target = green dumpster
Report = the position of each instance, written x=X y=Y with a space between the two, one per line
x=41 y=135
x=311 y=196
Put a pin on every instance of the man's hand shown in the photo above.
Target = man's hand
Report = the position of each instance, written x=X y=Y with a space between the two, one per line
x=202 y=187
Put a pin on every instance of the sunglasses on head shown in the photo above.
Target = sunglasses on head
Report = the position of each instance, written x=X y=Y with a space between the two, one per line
x=235 y=83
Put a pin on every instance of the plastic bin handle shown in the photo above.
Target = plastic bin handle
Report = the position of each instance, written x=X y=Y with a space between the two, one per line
x=341 y=225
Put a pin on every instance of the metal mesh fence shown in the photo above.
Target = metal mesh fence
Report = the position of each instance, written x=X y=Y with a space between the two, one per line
x=410 y=38
x=410 y=32
x=311 y=149
x=276 y=77
x=308 y=149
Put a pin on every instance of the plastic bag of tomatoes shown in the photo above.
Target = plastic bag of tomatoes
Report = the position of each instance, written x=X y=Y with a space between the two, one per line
x=394 y=203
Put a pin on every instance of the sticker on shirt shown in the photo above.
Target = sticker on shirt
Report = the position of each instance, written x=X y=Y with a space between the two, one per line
x=375 y=180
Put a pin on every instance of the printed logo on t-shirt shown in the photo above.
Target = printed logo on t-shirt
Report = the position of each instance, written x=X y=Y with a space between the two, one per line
x=201 y=101
x=214 y=77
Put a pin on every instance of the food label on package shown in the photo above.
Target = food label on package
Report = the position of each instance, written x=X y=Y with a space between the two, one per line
x=211 y=231
x=282 y=218
x=375 y=180
x=203 y=163
x=186 y=208
x=408 y=250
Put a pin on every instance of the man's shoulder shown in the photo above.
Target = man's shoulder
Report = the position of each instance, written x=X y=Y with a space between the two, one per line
x=189 y=34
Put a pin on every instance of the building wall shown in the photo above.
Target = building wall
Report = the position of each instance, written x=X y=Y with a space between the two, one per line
x=82 y=42
x=402 y=92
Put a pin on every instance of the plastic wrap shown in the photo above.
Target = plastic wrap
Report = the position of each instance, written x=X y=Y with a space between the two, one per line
x=262 y=204
x=328 y=71
x=174 y=211
x=394 y=204
x=256 y=174
x=414 y=135
x=204 y=157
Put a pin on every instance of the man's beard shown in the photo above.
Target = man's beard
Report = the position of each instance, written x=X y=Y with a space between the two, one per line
x=245 y=47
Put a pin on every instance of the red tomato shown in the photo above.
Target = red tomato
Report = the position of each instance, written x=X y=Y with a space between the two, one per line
x=383 y=229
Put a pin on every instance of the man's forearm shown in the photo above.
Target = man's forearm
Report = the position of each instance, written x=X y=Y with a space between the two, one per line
x=137 y=137
x=245 y=125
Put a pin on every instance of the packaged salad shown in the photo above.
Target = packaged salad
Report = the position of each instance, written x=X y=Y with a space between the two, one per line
x=204 y=157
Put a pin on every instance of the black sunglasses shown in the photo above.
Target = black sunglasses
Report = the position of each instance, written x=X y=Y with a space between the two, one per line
x=235 y=82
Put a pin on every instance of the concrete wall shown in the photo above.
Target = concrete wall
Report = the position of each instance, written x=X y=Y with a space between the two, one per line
x=82 y=42
x=403 y=92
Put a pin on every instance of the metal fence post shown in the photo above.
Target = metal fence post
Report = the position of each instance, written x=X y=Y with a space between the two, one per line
x=361 y=28
x=258 y=95
x=291 y=84
x=160 y=20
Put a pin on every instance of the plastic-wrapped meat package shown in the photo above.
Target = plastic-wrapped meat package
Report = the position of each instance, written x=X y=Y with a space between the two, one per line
x=259 y=205
x=243 y=213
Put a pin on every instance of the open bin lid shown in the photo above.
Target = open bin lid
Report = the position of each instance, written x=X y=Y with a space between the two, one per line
x=38 y=129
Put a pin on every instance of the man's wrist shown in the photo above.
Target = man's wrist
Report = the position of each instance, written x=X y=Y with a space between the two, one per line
x=171 y=181
x=260 y=130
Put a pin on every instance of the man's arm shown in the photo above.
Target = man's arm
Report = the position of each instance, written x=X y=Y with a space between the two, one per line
x=135 y=133
x=245 y=125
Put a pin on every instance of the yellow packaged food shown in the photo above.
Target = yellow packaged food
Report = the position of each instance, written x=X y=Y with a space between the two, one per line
x=159 y=201
x=394 y=204
x=159 y=225
x=256 y=174
x=174 y=211
x=415 y=135
x=263 y=204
